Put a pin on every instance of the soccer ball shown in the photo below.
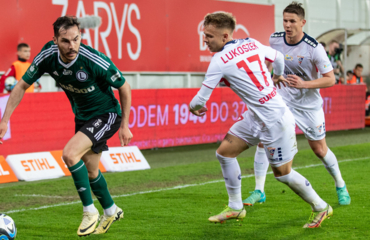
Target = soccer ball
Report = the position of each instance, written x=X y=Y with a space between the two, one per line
x=8 y=231
x=10 y=83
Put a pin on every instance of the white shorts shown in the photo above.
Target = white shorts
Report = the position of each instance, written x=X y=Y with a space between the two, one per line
x=312 y=123
x=279 y=140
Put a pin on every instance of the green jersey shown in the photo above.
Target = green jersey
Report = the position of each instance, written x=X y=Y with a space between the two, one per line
x=87 y=80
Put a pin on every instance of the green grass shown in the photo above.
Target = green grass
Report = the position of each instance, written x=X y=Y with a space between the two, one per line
x=182 y=213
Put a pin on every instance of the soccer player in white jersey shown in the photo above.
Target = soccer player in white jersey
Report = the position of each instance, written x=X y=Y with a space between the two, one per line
x=305 y=60
x=268 y=120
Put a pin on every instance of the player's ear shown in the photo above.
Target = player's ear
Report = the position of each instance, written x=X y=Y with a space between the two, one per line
x=303 y=22
x=55 y=40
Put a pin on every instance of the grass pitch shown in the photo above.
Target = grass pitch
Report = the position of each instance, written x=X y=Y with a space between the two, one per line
x=174 y=199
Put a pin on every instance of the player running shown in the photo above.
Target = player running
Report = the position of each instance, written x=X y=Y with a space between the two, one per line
x=305 y=60
x=86 y=76
x=241 y=64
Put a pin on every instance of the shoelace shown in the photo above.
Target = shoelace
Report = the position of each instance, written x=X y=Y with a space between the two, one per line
x=255 y=195
x=86 y=219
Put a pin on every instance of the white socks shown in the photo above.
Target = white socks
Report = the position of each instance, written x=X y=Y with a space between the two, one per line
x=110 y=211
x=261 y=164
x=232 y=175
x=331 y=165
x=107 y=212
x=91 y=208
x=303 y=188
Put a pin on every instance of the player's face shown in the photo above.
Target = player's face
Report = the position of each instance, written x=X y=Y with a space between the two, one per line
x=333 y=46
x=215 y=38
x=24 y=53
x=293 y=25
x=68 y=43
x=358 y=71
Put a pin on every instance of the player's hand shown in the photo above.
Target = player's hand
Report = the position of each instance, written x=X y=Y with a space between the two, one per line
x=199 y=112
x=295 y=81
x=279 y=79
x=3 y=129
x=125 y=136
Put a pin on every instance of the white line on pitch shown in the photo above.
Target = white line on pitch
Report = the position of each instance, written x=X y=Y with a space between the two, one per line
x=167 y=189
x=41 y=196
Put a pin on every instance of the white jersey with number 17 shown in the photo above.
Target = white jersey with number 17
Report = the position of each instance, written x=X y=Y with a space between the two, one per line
x=241 y=65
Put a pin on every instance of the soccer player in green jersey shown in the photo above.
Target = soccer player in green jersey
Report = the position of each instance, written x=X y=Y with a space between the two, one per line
x=86 y=76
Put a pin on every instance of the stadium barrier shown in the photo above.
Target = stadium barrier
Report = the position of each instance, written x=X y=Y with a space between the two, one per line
x=159 y=118
x=48 y=165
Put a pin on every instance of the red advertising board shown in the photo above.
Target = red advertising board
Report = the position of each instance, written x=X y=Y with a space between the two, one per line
x=158 y=118
x=139 y=35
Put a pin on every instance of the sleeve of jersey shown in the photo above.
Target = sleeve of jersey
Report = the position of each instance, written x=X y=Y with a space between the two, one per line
x=270 y=54
x=34 y=72
x=213 y=75
x=114 y=76
x=321 y=60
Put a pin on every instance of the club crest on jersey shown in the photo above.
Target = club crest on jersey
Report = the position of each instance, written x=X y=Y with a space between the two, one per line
x=300 y=59
x=288 y=58
x=67 y=72
x=82 y=76
x=271 y=151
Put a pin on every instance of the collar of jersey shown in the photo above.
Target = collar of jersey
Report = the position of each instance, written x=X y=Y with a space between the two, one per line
x=232 y=42
x=69 y=64
x=305 y=35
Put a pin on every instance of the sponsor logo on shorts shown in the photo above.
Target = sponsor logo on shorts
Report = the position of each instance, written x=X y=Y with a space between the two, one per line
x=82 y=76
x=310 y=131
x=319 y=128
x=55 y=73
x=271 y=151
x=90 y=129
x=97 y=123
x=32 y=71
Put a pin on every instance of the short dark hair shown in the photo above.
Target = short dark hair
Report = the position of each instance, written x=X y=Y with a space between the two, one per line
x=349 y=72
x=22 y=45
x=359 y=65
x=65 y=22
x=295 y=8
x=220 y=20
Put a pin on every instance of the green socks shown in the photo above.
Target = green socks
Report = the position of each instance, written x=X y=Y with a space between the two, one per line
x=81 y=179
x=100 y=190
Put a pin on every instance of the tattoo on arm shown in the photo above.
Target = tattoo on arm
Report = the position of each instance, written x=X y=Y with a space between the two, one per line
x=228 y=139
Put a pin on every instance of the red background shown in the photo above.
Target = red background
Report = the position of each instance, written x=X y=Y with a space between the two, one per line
x=168 y=29
x=45 y=122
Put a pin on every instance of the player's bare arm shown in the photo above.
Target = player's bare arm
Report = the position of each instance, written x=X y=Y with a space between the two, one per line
x=327 y=80
x=124 y=133
x=14 y=99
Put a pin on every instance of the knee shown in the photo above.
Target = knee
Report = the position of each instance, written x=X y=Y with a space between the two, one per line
x=69 y=158
x=283 y=178
x=93 y=173
x=320 y=152
x=222 y=159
